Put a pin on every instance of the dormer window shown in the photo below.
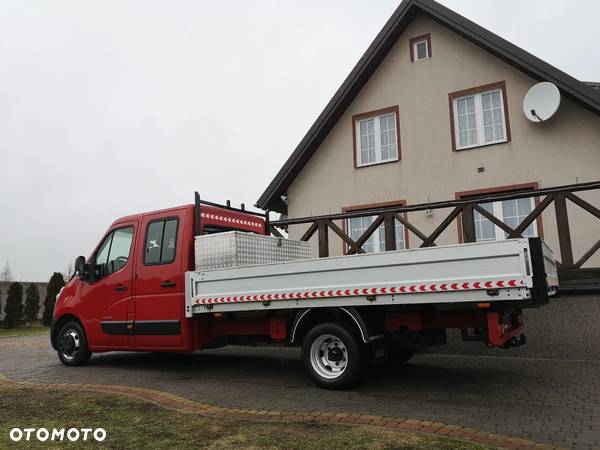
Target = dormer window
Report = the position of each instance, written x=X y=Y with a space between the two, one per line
x=420 y=48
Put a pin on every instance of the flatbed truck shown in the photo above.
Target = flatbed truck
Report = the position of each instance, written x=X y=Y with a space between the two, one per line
x=140 y=290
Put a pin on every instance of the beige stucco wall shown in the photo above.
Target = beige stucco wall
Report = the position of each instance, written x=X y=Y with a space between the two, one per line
x=564 y=150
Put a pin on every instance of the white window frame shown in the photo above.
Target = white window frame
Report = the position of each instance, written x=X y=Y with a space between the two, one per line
x=378 y=147
x=416 y=53
x=500 y=234
x=481 y=142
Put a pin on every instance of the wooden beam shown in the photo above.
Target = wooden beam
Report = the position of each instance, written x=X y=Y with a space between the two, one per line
x=351 y=244
x=323 y=239
x=311 y=230
x=468 y=224
x=390 y=232
x=564 y=232
x=275 y=232
x=430 y=241
x=587 y=255
x=531 y=217
x=582 y=203
x=510 y=195
x=410 y=226
x=368 y=232
x=492 y=218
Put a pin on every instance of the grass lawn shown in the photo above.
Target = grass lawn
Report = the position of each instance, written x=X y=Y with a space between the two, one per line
x=23 y=331
x=133 y=424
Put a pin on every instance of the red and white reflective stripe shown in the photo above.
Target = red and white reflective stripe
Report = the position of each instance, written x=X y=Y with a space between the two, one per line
x=246 y=222
x=387 y=290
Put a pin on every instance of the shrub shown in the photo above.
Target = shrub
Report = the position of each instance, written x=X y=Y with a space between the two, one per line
x=14 y=305
x=54 y=286
x=32 y=303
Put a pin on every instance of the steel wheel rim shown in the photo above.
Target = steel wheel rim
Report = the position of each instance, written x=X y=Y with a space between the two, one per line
x=71 y=340
x=329 y=356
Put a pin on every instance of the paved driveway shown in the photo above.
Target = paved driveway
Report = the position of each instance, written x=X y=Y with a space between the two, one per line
x=549 y=399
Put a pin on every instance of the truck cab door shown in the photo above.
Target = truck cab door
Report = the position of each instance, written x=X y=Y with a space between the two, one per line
x=159 y=282
x=105 y=299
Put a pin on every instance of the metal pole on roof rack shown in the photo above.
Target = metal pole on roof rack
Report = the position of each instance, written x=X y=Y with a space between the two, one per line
x=197 y=225
x=267 y=224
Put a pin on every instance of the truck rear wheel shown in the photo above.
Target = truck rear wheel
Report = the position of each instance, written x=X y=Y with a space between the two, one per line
x=333 y=357
x=71 y=345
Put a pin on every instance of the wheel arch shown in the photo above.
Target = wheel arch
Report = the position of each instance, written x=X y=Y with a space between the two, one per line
x=68 y=317
x=307 y=318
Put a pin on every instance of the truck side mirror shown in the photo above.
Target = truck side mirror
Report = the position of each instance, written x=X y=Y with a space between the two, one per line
x=81 y=268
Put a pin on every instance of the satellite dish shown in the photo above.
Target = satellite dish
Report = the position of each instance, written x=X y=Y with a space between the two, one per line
x=541 y=102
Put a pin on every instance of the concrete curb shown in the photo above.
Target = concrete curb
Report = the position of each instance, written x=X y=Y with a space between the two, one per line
x=181 y=404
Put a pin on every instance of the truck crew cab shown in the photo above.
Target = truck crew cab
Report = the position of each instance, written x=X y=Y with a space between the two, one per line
x=142 y=290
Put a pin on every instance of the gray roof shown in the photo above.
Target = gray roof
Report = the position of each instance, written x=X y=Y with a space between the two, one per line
x=580 y=92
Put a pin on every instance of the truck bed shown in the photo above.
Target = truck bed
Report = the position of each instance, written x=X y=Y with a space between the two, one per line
x=478 y=272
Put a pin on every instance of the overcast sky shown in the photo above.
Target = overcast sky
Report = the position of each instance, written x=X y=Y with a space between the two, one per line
x=109 y=108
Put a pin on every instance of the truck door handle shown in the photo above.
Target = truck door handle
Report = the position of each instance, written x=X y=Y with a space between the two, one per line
x=121 y=288
x=168 y=284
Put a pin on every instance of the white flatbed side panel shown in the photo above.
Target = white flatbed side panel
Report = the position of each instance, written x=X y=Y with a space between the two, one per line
x=457 y=273
x=550 y=267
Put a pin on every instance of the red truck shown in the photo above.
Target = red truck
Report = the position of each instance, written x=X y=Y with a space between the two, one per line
x=142 y=289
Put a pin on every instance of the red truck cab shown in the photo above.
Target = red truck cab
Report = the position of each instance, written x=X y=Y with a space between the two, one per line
x=129 y=294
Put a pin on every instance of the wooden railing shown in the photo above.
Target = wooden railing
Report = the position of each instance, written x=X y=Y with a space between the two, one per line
x=460 y=210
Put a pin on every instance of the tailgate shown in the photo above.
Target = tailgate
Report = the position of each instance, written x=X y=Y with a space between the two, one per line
x=544 y=271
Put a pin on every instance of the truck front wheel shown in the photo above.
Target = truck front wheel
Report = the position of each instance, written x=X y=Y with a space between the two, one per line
x=333 y=357
x=72 y=345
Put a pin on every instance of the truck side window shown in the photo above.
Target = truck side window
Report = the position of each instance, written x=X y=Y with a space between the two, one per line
x=102 y=255
x=114 y=251
x=119 y=249
x=161 y=241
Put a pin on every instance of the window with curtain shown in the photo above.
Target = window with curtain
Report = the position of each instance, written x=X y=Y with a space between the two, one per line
x=376 y=139
x=479 y=119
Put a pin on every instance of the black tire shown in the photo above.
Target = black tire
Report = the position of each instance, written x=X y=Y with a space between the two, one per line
x=343 y=348
x=71 y=345
x=400 y=355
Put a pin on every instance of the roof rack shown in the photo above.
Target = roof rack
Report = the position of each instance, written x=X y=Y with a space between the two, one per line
x=197 y=206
